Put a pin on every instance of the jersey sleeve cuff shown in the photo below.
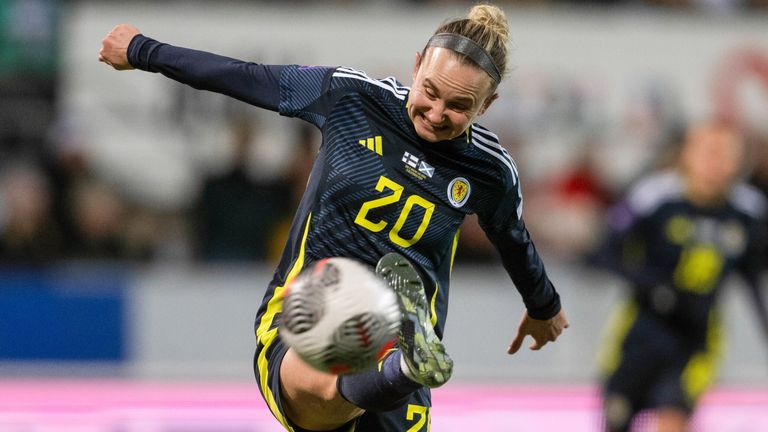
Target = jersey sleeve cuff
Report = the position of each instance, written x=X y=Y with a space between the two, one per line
x=140 y=51
x=545 y=312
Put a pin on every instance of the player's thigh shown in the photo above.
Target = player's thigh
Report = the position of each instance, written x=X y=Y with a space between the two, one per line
x=310 y=397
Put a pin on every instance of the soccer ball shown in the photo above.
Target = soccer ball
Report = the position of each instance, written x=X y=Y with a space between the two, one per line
x=339 y=317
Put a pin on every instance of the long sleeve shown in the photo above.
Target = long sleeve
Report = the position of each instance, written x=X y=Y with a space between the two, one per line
x=524 y=265
x=252 y=83
x=508 y=233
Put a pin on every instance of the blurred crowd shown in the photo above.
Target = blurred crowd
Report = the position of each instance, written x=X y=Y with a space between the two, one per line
x=56 y=205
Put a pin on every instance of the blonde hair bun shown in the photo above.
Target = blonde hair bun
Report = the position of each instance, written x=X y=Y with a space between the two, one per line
x=492 y=17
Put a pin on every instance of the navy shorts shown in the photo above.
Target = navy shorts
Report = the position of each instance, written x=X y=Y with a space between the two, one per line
x=653 y=365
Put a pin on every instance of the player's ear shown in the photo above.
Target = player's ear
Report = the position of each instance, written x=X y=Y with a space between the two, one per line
x=416 y=65
x=488 y=101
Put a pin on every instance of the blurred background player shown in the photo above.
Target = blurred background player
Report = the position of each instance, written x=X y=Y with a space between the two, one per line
x=675 y=238
x=398 y=171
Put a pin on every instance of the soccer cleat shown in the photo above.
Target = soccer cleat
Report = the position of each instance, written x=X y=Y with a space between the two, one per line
x=422 y=351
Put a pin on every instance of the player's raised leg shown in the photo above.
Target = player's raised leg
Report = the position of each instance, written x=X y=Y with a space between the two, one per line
x=419 y=362
x=316 y=400
x=423 y=354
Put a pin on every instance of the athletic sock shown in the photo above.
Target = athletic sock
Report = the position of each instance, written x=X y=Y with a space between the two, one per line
x=404 y=367
x=377 y=389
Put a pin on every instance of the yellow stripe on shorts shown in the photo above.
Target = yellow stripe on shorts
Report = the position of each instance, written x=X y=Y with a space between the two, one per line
x=700 y=371
x=621 y=321
x=266 y=335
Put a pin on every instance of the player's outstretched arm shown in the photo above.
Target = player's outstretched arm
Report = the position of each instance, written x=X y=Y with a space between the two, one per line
x=126 y=48
x=114 y=46
x=542 y=331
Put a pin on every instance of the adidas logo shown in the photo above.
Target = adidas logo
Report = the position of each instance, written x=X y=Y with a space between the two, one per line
x=372 y=144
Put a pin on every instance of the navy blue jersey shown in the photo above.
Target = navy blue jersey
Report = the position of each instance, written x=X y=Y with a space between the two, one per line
x=676 y=255
x=376 y=187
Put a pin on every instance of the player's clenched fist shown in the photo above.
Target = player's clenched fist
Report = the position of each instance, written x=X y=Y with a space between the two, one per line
x=114 y=46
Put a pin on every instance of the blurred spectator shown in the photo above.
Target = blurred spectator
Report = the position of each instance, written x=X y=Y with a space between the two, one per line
x=237 y=217
x=648 y=129
x=296 y=177
x=303 y=158
x=99 y=215
x=95 y=221
x=28 y=234
x=65 y=164
x=569 y=207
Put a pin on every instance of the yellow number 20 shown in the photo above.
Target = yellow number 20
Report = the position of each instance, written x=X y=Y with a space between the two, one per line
x=397 y=192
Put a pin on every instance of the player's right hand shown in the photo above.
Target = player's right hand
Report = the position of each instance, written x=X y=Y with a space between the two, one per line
x=542 y=331
x=114 y=46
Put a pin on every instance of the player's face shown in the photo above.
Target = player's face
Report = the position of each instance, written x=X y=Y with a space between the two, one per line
x=712 y=160
x=447 y=95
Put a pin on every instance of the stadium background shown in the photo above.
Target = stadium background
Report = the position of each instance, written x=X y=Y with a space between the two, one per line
x=129 y=280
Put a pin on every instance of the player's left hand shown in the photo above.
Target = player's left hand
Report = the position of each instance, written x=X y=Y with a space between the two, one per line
x=542 y=331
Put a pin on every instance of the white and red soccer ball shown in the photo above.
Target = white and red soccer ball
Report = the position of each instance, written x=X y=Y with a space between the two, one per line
x=339 y=316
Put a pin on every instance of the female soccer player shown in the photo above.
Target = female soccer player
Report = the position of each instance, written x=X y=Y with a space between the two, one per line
x=675 y=238
x=398 y=170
